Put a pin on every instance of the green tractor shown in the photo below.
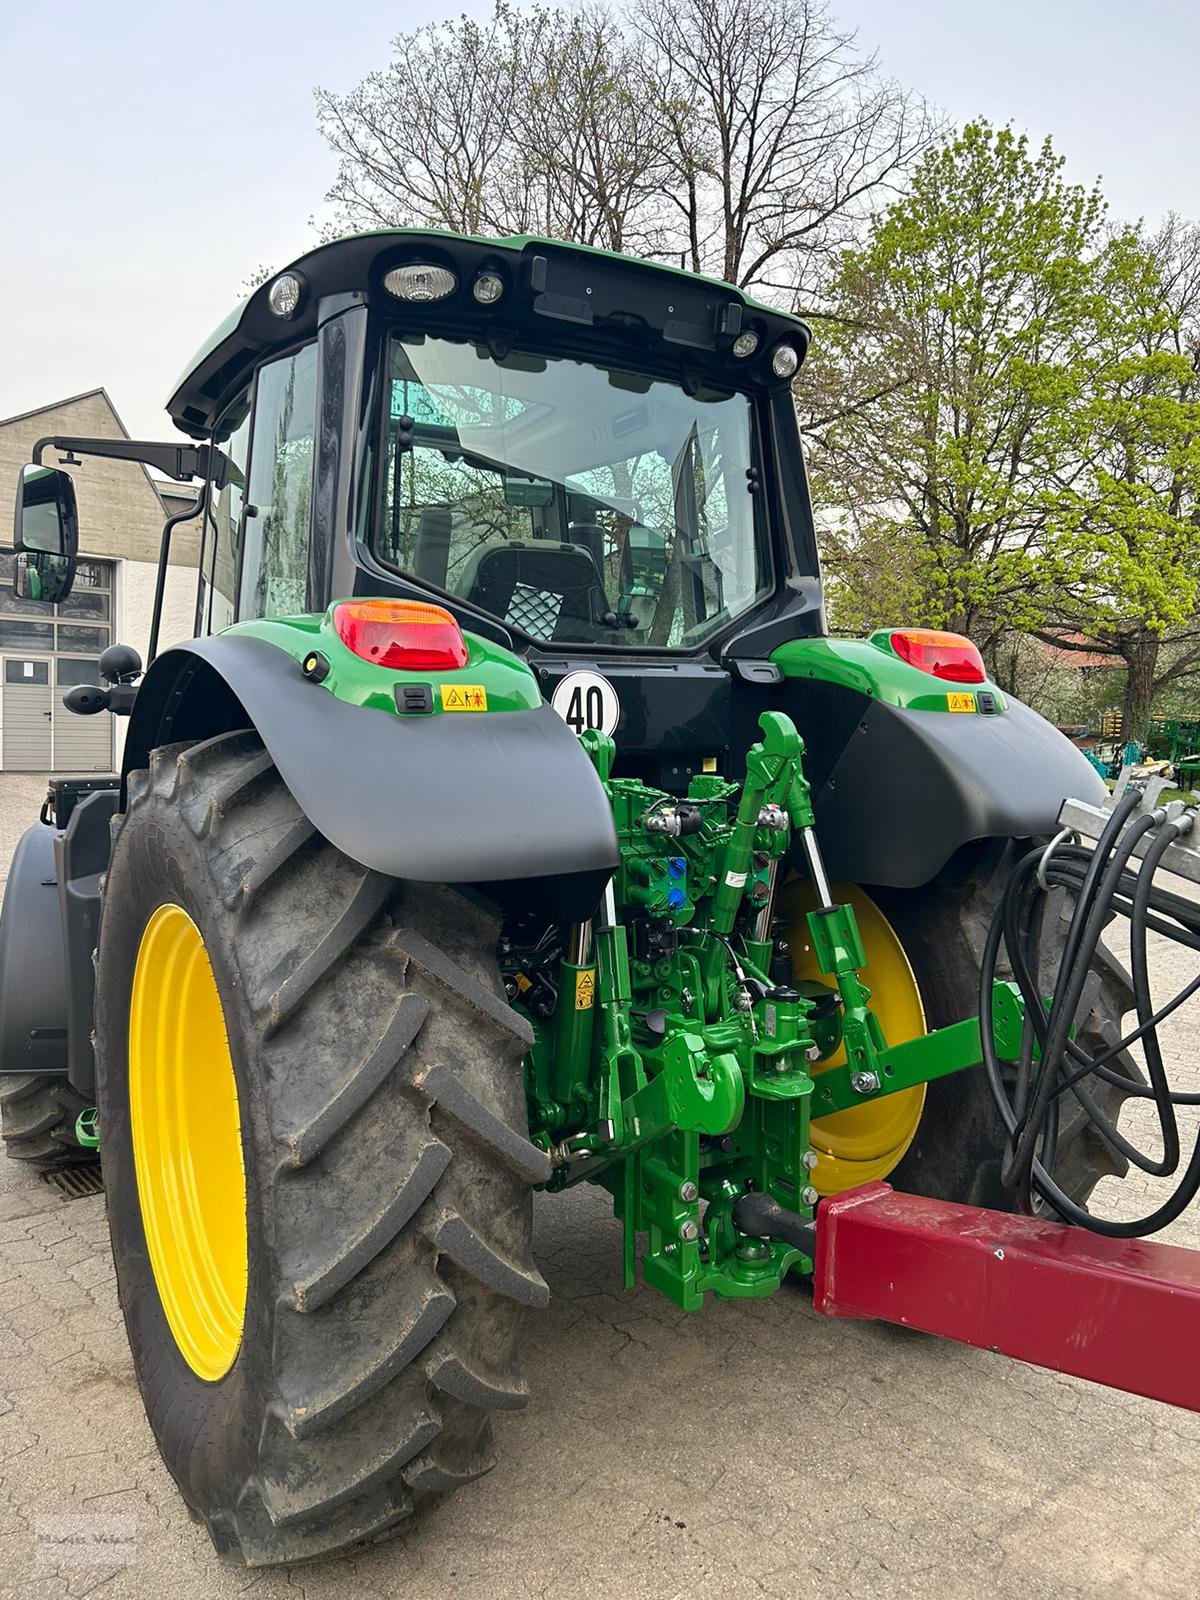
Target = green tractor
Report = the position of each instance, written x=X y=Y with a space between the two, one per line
x=511 y=821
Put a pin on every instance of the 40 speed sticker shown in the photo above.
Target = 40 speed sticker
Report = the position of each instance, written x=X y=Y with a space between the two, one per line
x=587 y=700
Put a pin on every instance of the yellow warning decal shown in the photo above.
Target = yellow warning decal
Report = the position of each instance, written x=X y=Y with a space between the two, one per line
x=960 y=702
x=585 y=989
x=464 y=697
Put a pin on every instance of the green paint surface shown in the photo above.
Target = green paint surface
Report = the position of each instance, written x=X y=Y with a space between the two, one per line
x=507 y=682
x=872 y=670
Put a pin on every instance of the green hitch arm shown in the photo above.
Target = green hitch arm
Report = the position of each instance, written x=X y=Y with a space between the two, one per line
x=772 y=767
x=840 y=954
x=622 y=1073
x=955 y=1048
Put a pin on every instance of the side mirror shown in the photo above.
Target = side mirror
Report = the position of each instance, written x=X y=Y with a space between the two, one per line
x=46 y=534
x=527 y=492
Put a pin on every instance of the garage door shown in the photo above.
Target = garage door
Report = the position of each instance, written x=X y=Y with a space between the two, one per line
x=28 y=716
x=44 y=651
x=39 y=733
x=81 y=744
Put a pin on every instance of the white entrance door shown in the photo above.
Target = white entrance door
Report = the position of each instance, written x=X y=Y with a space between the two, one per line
x=28 y=712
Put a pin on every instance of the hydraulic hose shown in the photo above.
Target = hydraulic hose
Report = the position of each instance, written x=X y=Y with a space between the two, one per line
x=1102 y=883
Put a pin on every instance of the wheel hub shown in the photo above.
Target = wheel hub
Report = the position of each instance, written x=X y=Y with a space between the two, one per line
x=864 y=1144
x=187 y=1144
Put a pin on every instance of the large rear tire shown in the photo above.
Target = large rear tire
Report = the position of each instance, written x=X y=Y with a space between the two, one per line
x=957 y=1150
x=387 y=1263
x=38 y=1115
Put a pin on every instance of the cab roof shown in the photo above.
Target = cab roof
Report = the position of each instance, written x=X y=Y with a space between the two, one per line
x=592 y=302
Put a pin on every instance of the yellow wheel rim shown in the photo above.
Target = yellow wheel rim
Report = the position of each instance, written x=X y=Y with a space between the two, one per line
x=864 y=1144
x=187 y=1142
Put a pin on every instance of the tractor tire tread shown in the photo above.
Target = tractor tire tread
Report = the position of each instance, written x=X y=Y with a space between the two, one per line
x=956 y=1154
x=390 y=1153
x=38 y=1113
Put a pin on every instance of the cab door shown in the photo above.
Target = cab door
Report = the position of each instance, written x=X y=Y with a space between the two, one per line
x=276 y=518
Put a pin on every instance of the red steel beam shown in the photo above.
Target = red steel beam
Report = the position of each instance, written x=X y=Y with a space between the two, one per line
x=1123 y=1312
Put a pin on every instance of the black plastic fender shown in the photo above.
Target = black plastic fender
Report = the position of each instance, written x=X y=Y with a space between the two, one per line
x=493 y=800
x=907 y=789
x=33 y=970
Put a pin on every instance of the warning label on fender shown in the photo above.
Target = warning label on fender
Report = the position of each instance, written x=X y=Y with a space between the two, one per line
x=960 y=702
x=464 y=697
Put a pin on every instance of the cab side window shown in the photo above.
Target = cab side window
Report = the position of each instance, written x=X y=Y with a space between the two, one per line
x=274 y=569
x=218 y=593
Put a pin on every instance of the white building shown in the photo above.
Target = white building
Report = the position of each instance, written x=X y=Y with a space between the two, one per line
x=44 y=650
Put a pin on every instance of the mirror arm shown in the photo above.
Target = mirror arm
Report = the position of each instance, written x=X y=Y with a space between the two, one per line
x=164 y=555
x=178 y=461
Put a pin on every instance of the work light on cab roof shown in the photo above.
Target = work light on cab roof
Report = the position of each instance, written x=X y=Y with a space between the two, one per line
x=488 y=288
x=785 y=361
x=285 y=294
x=420 y=283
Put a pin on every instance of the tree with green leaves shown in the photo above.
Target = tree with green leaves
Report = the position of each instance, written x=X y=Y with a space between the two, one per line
x=1006 y=420
x=947 y=389
x=1126 y=574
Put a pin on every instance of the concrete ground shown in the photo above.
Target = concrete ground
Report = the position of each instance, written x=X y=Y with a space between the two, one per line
x=751 y=1450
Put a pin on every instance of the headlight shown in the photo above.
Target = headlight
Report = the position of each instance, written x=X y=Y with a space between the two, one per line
x=284 y=295
x=785 y=361
x=420 y=283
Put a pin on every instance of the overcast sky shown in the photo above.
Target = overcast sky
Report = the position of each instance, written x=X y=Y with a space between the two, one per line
x=153 y=153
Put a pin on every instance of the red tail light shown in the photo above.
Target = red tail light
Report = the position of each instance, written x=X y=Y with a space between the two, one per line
x=401 y=633
x=945 y=655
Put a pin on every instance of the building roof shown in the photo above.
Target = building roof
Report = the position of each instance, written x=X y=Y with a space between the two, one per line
x=74 y=399
x=69 y=400
x=1070 y=654
x=121 y=508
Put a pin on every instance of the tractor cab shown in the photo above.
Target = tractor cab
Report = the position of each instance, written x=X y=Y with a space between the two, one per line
x=585 y=459
x=588 y=469
x=589 y=460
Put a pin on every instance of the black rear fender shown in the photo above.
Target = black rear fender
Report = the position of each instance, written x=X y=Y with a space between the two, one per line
x=897 y=792
x=507 y=801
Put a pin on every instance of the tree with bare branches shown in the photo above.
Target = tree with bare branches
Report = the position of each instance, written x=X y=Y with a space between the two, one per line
x=743 y=138
x=533 y=122
x=790 y=136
